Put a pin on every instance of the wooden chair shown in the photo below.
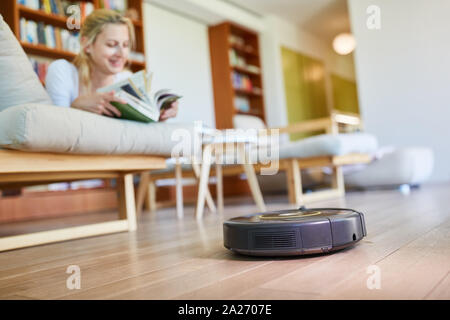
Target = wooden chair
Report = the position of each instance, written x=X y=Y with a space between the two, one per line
x=338 y=121
x=147 y=188
x=19 y=169
x=331 y=125
x=293 y=166
x=146 y=194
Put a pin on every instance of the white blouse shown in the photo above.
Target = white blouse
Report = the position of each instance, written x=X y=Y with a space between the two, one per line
x=62 y=82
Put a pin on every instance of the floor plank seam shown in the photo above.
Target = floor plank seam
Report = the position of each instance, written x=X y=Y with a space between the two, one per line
x=413 y=240
x=230 y=277
x=136 y=276
x=125 y=251
x=436 y=286
x=410 y=234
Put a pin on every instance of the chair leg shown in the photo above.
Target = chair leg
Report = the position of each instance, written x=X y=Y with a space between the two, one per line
x=127 y=222
x=251 y=177
x=150 y=199
x=209 y=199
x=290 y=183
x=294 y=181
x=337 y=180
x=179 y=189
x=219 y=187
x=127 y=206
x=141 y=192
x=203 y=182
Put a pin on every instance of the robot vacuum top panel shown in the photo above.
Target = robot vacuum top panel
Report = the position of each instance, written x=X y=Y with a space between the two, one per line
x=294 y=232
x=295 y=215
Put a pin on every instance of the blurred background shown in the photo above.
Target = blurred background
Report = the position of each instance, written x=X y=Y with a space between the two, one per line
x=284 y=62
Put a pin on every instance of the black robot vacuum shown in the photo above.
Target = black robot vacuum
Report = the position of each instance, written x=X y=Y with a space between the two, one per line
x=294 y=232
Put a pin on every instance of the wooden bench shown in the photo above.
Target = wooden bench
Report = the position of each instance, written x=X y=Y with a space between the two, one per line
x=336 y=122
x=19 y=169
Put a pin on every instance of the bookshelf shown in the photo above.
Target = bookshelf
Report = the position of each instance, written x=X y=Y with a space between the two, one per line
x=236 y=73
x=13 y=11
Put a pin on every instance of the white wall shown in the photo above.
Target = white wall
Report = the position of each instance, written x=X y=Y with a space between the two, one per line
x=403 y=74
x=212 y=12
x=274 y=97
x=177 y=51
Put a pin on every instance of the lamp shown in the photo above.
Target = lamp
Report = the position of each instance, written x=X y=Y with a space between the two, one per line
x=344 y=43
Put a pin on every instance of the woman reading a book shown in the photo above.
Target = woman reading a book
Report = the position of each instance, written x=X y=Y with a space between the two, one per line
x=106 y=40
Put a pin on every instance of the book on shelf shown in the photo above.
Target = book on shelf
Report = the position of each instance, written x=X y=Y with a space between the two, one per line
x=239 y=43
x=238 y=61
x=54 y=7
x=48 y=35
x=86 y=9
x=236 y=40
x=59 y=7
x=46 y=6
x=40 y=33
x=241 y=104
x=140 y=105
x=65 y=7
x=241 y=81
x=28 y=31
x=119 y=5
x=32 y=4
x=58 y=38
x=40 y=68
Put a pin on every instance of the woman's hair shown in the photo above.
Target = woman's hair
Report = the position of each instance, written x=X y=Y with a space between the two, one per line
x=93 y=25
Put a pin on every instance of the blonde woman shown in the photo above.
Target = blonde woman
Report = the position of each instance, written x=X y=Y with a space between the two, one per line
x=106 y=40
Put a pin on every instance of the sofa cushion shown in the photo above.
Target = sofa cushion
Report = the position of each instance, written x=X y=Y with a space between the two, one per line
x=18 y=82
x=243 y=121
x=46 y=128
x=326 y=144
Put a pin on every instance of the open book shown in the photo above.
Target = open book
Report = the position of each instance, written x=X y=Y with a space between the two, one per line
x=141 y=105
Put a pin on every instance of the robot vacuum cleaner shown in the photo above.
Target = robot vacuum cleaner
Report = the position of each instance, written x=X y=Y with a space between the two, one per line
x=294 y=232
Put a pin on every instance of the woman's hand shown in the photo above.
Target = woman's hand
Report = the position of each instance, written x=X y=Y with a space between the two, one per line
x=98 y=103
x=170 y=112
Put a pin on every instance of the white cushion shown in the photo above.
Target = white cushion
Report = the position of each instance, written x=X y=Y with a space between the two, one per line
x=326 y=144
x=242 y=121
x=37 y=127
x=186 y=165
x=18 y=82
x=412 y=165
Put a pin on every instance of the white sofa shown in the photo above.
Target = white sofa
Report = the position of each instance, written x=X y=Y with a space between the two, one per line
x=399 y=166
x=41 y=143
x=29 y=121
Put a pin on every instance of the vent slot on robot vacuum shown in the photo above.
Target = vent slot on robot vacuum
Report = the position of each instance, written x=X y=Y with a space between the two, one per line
x=275 y=240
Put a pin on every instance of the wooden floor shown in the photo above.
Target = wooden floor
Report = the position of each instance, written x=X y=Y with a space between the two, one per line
x=408 y=240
